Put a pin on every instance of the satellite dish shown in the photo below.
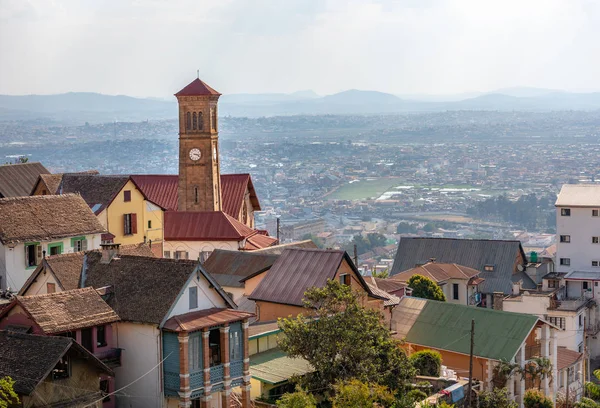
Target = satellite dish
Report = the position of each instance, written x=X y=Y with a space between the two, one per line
x=520 y=268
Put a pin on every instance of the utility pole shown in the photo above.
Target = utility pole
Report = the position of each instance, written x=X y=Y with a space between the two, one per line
x=469 y=389
x=355 y=256
x=567 y=399
x=278 y=230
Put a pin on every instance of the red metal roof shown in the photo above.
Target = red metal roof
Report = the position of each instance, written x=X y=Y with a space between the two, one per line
x=259 y=241
x=204 y=226
x=196 y=88
x=204 y=318
x=162 y=191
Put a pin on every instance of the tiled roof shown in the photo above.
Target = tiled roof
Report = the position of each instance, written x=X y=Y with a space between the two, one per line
x=197 y=88
x=52 y=182
x=17 y=180
x=204 y=226
x=142 y=288
x=29 y=359
x=193 y=321
x=389 y=285
x=474 y=253
x=68 y=310
x=230 y=267
x=390 y=300
x=98 y=191
x=566 y=358
x=161 y=189
x=43 y=218
x=297 y=270
x=66 y=268
x=442 y=326
x=438 y=272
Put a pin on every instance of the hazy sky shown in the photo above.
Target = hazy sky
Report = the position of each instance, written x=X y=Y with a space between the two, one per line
x=153 y=47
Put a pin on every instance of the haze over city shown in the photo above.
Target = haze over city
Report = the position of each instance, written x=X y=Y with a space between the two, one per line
x=149 y=48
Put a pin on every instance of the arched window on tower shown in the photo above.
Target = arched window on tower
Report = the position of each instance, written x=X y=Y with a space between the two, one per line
x=196 y=195
x=214 y=118
x=194 y=121
x=188 y=121
x=200 y=121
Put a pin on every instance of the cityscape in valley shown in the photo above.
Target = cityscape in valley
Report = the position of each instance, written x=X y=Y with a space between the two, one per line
x=320 y=211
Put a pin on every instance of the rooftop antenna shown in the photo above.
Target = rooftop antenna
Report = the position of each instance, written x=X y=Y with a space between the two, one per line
x=198 y=73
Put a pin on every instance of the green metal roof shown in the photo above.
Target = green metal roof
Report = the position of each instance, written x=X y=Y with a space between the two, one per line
x=447 y=326
x=274 y=366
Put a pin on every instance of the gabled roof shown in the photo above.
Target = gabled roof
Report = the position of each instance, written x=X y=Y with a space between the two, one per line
x=52 y=182
x=233 y=193
x=566 y=358
x=161 y=189
x=230 y=268
x=579 y=195
x=446 y=326
x=143 y=289
x=29 y=359
x=43 y=218
x=390 y=300
x=197 y=88
x=297 y=270
x=200 y=319
x=389 y=285
x=66 y=311
x=66 y=268
x=97 y=190
x=17 y=180
x=473 y=253
x=204 y=226
x=438 y=272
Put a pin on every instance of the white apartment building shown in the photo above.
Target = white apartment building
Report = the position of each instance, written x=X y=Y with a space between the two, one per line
x=578 y=228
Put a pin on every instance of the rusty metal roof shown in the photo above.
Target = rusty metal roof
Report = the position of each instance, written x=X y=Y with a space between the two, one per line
x=230 y=267
x=259 y=241
x=204 y=226
x=233 y=191
x=17 y=180
x=197 y=88
x=193 y=321
x=297 y=270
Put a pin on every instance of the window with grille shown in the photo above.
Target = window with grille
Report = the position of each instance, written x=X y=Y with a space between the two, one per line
x=557 y=321
x=565 y=261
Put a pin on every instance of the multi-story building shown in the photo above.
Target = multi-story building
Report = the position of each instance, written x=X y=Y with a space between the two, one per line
x=578 y=228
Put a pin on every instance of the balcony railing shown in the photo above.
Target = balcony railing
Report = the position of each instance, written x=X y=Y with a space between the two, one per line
x=216 y=374
x=110 y=357
x=237 y=369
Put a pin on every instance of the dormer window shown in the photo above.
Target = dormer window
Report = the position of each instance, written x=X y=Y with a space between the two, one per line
x=489 y=268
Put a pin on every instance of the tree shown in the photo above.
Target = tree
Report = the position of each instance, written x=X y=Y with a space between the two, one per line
x=425 y=288
x=19 y=160
x=498 y=398
x=343 y=340
x=427 y=362
x=297 y=399
x=537 y=369
x=503 y=371
x=592 y=390
x=405 y=228
x=381 y=275
x=536 y=399
x=8 y=396
x=317 y=241
x=376 y=240
x=356 y=394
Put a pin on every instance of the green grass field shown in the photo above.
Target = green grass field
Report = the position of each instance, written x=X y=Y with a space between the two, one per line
x=365 y=188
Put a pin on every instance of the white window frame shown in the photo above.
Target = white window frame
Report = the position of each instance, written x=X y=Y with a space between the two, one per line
x=565 y=261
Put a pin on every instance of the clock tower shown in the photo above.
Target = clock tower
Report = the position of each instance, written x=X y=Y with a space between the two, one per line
x=199 y=174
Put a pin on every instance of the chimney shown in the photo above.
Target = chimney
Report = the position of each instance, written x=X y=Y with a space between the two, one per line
x=109 y=252
x=498 y=300
x=432 y=260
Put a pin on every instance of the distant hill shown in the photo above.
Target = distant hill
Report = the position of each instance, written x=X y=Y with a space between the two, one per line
x=79 y=107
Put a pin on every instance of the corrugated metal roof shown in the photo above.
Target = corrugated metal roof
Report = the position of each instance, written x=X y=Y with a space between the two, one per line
x=447 y=326
x=17 y=180
x=297 y=270
x=473 y=253
x=193 y=321
x=259 y=241
x=197 y=88
x=583 y=275
x=579 y=195
x=204 y=226
x=162 y=191
x=229 y=267
x=278 y=249
x=438 y=272
x=275 y=367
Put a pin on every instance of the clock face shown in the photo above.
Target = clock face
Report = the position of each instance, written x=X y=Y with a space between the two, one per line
x=195 y=154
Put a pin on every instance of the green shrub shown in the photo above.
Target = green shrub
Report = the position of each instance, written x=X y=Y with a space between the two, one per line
x=427 y=362
x=416 y=395
x=297 y=399
x=536 y=399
